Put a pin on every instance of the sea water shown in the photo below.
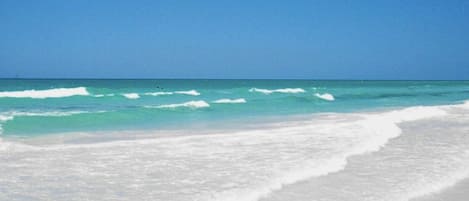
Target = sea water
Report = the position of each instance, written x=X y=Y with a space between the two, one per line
x=232 y=139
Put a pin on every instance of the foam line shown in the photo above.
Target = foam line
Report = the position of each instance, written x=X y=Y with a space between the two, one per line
x=272 y=156
x=285 y=90
x=226 y=100
x=48 y=93
x=162 y=93
x=131 y=95
x=325 y=96
x=190 y=92
x=102 y=95
x=190 y=104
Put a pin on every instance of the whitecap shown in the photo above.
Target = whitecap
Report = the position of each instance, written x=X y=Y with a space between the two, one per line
x=160 y=93
x=131 y=95
x=48 y=93
x=190 y=104
x=226 y=100
x=102 y=95
x=5 y=118
x=285 y=90
x=190 y=92
x=325 y=96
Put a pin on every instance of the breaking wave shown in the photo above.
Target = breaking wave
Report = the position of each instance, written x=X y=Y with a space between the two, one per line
x=102 y=95
x=190 y=92
x=190 y=104
x=131 y=95
x=48 y=93
x=273 y=156
x=285 y=90
x=162 y=93
x=325 y=96
x=226 y=100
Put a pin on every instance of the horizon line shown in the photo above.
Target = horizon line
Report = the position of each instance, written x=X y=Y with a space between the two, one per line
x=312 y=79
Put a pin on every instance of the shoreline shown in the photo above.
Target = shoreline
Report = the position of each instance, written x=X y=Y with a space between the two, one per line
x=279 y=157
x=205 y=128
x=406 y=162
x=456 y=192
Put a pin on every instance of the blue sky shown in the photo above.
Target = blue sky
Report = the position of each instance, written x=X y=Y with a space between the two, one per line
x=235 y=39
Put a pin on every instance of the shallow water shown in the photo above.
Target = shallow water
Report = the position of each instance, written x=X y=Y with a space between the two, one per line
x=38 y=107
x=271 y=146
x=431 y=156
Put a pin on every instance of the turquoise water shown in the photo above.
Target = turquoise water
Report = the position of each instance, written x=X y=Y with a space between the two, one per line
x=232 y=140
x=91 y=105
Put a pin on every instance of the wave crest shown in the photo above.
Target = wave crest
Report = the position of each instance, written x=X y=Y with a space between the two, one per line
x=190 y=104
x=48 y=93
x=103 y=95
x=190 y=92
x=325 y=96
x=162 y=93
x=131 y=95
x=226 y=100
x=285 y=90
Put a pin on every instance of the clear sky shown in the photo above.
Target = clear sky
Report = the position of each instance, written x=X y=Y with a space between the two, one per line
x=419 y=39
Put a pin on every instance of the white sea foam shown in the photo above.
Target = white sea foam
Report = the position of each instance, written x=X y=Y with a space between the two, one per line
x=3 y=145
x=412 y=114
x=286 y=90
x=4 y=117
x=131 y=95
x=466 y=104
x=325 y=96
x=226 y=100
x=209 y=166
x=190 y=104
x=449 y=180
x=190 y=92
x=162 y=93
x=48 y=93
x=102 y=95
x=8 y=116
x=361 y=136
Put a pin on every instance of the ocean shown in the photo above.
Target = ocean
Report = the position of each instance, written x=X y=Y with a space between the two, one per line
x=240 y=140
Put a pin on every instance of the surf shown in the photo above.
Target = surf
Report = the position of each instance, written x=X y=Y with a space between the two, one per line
x=131 y=95
x=227 y=100
x=162 y=93
x=48 y=93
x=285 y=90
x=276 y=155
x=189 y=104
x=325 y=96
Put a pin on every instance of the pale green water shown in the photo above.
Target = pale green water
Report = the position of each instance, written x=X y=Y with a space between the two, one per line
x=101 y=104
